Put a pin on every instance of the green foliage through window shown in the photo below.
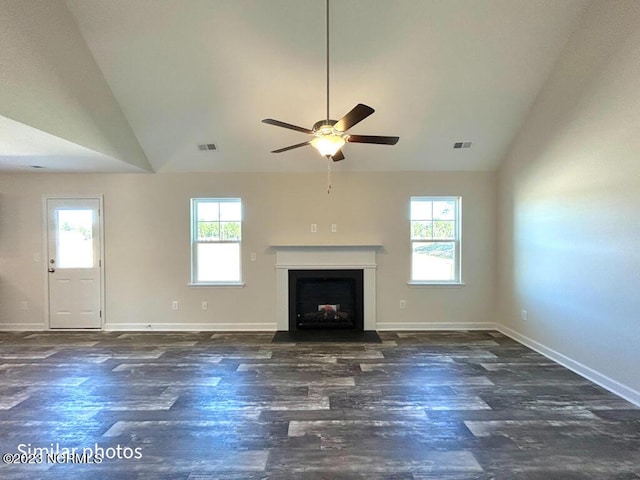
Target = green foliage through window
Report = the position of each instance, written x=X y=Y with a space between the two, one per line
x=435 y=239
x=210 y=227
x=216 y=234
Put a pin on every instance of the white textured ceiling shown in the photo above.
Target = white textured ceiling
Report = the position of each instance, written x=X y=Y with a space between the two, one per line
x=25 y=148
x=186 y=72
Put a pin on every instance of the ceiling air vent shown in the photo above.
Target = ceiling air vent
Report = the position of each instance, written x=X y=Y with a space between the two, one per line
x=462 y=145
x=207 y=146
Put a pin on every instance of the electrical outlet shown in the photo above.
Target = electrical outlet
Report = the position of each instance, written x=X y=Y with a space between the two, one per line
x=334 y=227
x=174 y=305
x=205 y=305
x=253 y=256
x=314 y=228
x=403 y=304
x=524 y=315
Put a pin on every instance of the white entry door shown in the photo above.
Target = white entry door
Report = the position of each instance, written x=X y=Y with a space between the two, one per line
x=74 y=262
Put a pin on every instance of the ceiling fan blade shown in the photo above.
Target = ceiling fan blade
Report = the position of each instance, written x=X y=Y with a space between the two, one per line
x=373 y=139
x=338 y=156
x=356 y=115
x=278 y=123
x=290 y=147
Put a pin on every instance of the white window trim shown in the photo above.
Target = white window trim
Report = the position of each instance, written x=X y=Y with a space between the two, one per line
x=458 y=245
x=441 y=283
x=194 y=242
x=217 y=284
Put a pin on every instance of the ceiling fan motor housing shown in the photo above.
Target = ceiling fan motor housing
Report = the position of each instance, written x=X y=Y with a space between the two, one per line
x=322 y=126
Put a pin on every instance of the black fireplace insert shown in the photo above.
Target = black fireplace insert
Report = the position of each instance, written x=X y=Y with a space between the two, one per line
x=326 y=299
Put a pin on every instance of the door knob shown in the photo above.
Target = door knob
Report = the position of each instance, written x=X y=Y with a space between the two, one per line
x=51 y=269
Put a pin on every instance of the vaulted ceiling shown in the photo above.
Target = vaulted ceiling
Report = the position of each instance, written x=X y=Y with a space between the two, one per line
x=189 y=72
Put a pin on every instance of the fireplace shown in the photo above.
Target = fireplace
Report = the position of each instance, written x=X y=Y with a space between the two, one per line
x=326 y=299
x=331 y=258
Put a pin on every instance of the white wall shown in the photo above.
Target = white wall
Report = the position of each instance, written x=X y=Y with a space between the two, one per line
x=148 y=252
x=569 y=203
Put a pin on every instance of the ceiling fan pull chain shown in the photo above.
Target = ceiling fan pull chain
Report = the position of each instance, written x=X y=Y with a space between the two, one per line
x=328 y=174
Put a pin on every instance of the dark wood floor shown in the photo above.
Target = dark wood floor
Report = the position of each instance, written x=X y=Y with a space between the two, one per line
x=430 y=405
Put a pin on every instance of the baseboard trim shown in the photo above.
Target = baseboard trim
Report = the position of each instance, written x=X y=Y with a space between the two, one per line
x=417 y=326
x=596 y=377
x=190 y=327
x=22 y=327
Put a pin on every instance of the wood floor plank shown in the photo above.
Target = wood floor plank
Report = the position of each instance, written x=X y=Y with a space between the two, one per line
x=464 y=405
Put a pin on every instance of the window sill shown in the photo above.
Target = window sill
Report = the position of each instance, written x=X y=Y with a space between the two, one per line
x=218 y=284
x=418 y=284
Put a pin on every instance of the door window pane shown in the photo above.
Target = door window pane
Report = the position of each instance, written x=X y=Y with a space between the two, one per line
x=75 y=239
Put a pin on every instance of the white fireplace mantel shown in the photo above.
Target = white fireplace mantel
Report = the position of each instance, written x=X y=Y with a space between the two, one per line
x=325 y=257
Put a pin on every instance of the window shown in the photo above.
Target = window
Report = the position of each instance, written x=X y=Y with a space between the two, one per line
x=435 y=239
x=216 y=231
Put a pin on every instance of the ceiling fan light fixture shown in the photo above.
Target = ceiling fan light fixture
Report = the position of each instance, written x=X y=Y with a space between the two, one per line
x=328 y=145
x=331 y=135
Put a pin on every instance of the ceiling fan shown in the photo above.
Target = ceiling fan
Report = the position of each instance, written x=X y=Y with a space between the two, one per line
x=331 y=135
